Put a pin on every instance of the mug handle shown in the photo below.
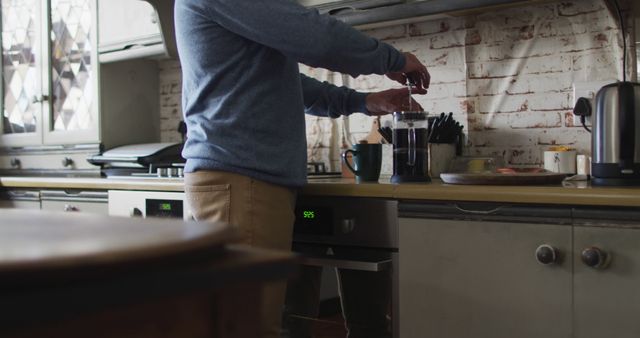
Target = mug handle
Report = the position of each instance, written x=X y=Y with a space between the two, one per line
x=344 y=159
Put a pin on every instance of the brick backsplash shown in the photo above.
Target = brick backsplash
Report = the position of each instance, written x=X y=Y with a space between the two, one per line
x=170 y=100
x=506 y=75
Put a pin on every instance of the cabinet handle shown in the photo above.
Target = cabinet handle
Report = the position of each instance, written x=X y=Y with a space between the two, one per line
x=67 y=162
x=547 y=254
x=39 y=99
x=15 y=162
x=477 y=212
x=595 y=257
x=71 y=208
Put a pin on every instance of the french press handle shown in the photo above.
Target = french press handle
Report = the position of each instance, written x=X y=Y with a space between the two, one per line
x=411 y=159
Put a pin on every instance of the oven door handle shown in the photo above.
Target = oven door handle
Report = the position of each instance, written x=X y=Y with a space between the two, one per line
x=359 y=265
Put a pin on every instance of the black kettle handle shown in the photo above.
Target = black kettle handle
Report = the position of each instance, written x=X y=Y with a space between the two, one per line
x=626 y=102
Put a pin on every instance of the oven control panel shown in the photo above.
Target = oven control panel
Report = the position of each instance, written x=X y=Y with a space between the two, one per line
x=314 y=220
x=364 y=222
x=164 y=208
x=144 y=204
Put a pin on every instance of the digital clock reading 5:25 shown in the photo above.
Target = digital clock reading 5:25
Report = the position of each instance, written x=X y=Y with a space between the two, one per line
x=312 y=220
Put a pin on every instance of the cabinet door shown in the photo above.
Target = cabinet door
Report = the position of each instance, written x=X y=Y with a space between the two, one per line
x=461 y=279
x=607 y=301
x=73 y=78
x=19 y=199
x=127 y=23
x=22 y=73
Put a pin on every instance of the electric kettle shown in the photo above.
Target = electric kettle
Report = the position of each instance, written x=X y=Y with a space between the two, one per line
x=616 y=135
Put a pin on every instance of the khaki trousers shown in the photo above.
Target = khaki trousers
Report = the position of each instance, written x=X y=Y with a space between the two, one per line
x=263 y=212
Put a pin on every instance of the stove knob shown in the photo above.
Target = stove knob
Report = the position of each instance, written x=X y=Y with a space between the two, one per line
x=180 y=172
x=172 y=172
x=135 y=212
x=162 y=172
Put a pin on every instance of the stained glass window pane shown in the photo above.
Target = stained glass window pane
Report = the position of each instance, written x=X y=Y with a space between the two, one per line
x=71 y=74
x=20 y=45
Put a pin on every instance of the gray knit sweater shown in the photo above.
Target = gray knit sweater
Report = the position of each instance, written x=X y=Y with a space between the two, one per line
x=242 y=94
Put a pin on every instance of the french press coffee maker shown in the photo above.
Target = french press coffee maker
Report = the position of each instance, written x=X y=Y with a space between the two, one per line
x=410 y=151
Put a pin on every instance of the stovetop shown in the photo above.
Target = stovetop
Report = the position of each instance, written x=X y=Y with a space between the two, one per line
x=176 y=172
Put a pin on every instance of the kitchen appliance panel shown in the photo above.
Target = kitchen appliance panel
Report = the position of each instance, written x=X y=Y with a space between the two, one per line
x=127 y=203
x=351 y=234
x=359 y=222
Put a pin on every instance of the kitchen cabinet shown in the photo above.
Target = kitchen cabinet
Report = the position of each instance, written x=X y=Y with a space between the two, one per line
x=50 y=80
x=477 y=271
x=607 y=299
x=19 y=199
x=73 y=200
x=476 y=275
x=95 y=202
x=128 y=29
x=57 y=99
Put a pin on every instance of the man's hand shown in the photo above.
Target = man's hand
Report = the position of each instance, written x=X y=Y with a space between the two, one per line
x=391 y=100
x=414 y=72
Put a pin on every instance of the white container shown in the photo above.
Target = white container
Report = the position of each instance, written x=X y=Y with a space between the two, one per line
x=583 y=164
x=560 y=161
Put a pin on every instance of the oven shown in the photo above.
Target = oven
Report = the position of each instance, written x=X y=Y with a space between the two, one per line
x=353 y=234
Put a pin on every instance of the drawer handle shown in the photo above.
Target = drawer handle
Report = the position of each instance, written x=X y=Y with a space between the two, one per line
x=478 y=212
x=71 y=208
x=381 y=265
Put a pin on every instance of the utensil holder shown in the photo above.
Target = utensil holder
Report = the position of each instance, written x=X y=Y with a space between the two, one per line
x=440 y=156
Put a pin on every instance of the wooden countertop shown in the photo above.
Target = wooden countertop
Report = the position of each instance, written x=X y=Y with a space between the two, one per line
x=90 y=183
x=570 y=193
x=573 y=193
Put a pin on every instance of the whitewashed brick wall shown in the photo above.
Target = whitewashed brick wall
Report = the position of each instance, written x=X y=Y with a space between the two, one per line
x=506 y=75
x=170 y=100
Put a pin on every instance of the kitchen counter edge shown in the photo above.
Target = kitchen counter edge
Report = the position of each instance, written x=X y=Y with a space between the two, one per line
x=578 y=193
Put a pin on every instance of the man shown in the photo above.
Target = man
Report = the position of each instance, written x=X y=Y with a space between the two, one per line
x=243 y=103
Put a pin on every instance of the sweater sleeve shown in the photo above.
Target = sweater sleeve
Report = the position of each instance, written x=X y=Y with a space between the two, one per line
x=325 y=99
x=306 y=36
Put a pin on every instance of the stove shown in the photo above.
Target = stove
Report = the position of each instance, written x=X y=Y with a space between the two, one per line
x=318 y=170
x=154 y=161
x=142 y=161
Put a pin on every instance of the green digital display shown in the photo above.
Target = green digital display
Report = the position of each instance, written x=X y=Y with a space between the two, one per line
x=164 y=208
x=313 y=220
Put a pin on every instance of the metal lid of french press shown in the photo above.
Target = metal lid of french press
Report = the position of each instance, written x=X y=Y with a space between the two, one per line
x=410 y=116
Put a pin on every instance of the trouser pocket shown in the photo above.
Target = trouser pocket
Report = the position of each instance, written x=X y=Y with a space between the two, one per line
x=211 y=203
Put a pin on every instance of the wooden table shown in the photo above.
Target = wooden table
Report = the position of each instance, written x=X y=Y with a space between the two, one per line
x=80 y=275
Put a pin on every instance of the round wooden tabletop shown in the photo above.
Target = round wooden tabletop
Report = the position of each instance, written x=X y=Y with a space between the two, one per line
x=37 y=240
